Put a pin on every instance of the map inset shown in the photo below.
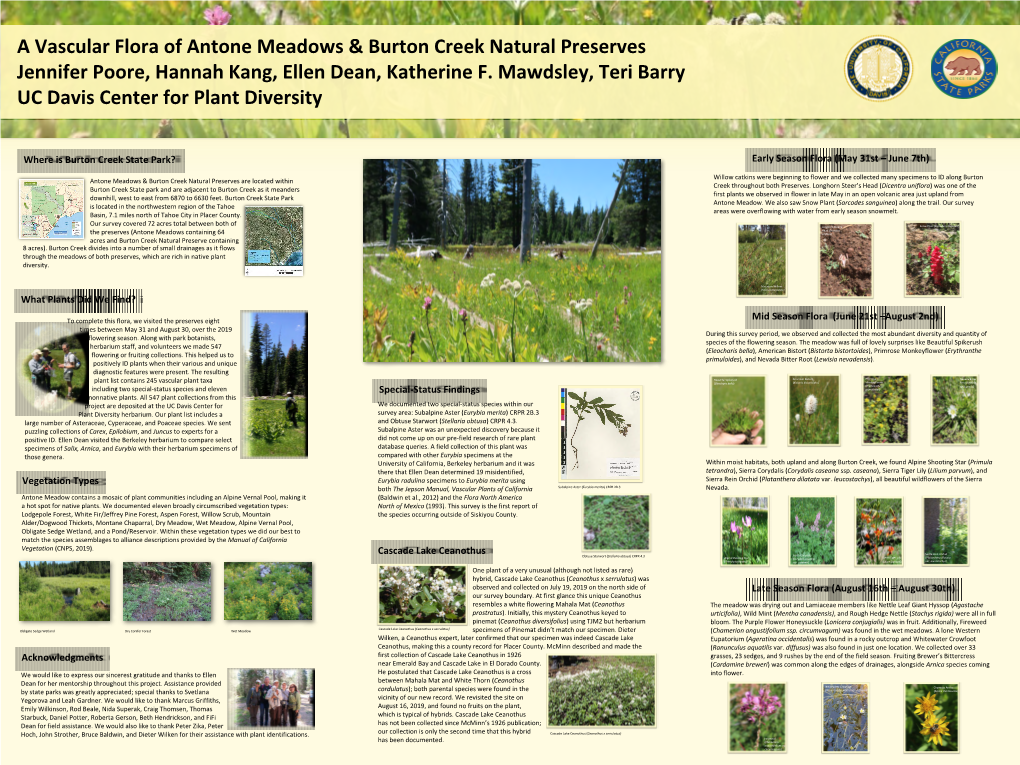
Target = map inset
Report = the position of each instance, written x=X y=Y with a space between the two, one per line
x=51 y=209
x=274 y=236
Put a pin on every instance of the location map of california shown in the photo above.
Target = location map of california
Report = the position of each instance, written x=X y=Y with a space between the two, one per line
x=51 y=209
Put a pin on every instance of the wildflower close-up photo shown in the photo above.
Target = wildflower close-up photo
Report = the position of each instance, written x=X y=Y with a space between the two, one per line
x=757 y=717
x=745 y=531
x=932 y=717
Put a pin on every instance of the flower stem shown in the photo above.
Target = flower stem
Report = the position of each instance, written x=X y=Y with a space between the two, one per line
x=513 y=321
x=429 y=328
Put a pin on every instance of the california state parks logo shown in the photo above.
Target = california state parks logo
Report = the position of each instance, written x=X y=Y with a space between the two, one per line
x=964 y=68
x=878 y=68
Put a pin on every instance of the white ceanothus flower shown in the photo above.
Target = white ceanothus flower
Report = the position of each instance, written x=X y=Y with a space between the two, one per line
x=403 y=581
x=446 y=590
x=810 y=404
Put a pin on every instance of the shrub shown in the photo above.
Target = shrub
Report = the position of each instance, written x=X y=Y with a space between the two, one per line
x=266 y=424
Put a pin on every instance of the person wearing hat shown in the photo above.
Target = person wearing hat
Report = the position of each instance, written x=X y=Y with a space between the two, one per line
x=40 y=372
x=291 y=405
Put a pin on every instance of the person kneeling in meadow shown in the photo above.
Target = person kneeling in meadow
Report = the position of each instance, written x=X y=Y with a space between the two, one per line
x=293 y=705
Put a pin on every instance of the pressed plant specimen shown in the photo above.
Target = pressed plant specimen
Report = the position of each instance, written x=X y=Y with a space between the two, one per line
x=604 y=411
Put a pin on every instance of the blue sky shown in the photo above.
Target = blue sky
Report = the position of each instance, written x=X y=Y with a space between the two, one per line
x=283 y=325
x=37 y=562
x=590 y=179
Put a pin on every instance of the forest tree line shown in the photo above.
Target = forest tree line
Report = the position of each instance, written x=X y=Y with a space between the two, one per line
x=270 y=371
x=72 y=568
x=487 y=206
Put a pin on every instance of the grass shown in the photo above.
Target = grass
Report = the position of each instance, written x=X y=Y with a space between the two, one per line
x=624 y=322
x=292 y=441
x=47 y=604
x=731 y=393
x=603 y=691
x=749 y=546
x=821 y=425
x=169 y=602
x=284 y=593
x=761 y=268
x=812 y=531
x=617 y=522
x=954 y=410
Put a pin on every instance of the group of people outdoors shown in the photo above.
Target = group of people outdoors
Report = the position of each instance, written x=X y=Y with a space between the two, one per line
x=42 y=365
x=275 y=704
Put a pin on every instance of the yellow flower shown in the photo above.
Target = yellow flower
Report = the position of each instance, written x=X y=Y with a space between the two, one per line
x=935 y=728
x=647 y=13
x=926 y=705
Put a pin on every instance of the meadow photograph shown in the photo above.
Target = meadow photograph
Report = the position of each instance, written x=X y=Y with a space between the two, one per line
x=745 y=531
x=270 y=698
x=604 y=691
x=267 y=591
x=845 y=717
x=933 y=267
x=954 y=411
x=932 y=717
x=737 y=410
x=512 y=260
x=64 y=591
x=616 y=522
x=422 y=595
x=167 y=592
x=946 y=531
x=274 y=410
x=886 y=412
x=814 y=410
x=812 y=531
x=879 y=524
x=761 y=260
x=757 y=714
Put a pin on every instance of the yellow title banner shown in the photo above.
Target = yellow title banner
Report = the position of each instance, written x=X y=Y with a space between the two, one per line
x=683 y=72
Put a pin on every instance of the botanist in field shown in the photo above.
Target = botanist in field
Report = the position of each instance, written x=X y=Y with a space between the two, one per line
x=70 y=364
x=292 y=409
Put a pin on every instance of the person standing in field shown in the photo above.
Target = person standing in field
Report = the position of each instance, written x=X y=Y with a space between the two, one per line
x=70 y=364
x=293 y=705
x=252 y=703
x=291 y=405
x=264 y=690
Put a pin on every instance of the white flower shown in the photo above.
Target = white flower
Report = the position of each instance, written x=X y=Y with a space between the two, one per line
x=775 y=18
x=952 y=411
x=715 y=22
x=517 y=286
x=526 y=284
x=752 y=18
x=810 y=404
x=796 y=418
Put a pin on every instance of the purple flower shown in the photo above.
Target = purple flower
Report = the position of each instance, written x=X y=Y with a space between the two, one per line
x=733 y=527
x=740 y=533
x=747 y=521
x=462 y=313
x=217 y=16
x=427 y=305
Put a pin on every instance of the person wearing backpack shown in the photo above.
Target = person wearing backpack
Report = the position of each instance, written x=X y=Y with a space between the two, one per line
x=291 y=405
x=70 y=364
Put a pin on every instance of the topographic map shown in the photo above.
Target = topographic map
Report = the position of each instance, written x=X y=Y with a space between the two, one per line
x=51 y=209
x=274 y=236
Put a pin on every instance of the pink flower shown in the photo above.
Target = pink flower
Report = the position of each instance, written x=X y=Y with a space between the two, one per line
x=427 y=305
x=462 y=313
x=747 y=521
x=733 y=527
x=217 y=16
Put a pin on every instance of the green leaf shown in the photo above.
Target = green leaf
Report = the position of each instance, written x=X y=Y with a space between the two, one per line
x=390 y=620
x=573 y=396
x=601 y=416
x=596 y=400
